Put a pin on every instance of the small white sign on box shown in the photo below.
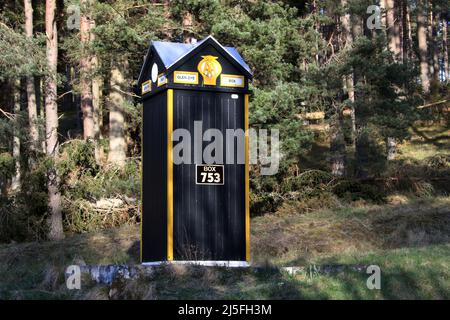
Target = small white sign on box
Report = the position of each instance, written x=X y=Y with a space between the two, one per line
x=230 y=80
x=146 y=87
x=185 y=77
x=162 y=79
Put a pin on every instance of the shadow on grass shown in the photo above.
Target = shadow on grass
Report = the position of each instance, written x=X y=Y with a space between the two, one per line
x=397 y=282
x=36 y=271
x=439 y=138
x=428 y=281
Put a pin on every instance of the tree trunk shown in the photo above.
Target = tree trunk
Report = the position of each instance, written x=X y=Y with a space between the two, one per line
x=361 y=142
x=398 y=31
x=42 y=114
x=445 y=46
x=436 y=18
x=393 y=37
x=349 y=79
x=97 y=112
x=391 y=148
x=423 y=46
x=430 y=40
x=409 y=34
x=96 y=106
x=51 y=122
x=167 y=18
x=31 y=90
x=357 y=26
x=337 y=145
x=187 y=26
x=317 y=29
x=383 y=14
x=362 y=154
x=15 y=181
x=393 y=30
x=405 y=31
x=117 y=100
x=85 y=83
x=96 y=98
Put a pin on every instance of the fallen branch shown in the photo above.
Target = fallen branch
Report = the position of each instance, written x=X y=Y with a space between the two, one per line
x=10 y=116
x=127 y=93
x=432 y=104
x=65 y=93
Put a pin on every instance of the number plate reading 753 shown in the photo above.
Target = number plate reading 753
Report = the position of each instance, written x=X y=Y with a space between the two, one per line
x=209 y=174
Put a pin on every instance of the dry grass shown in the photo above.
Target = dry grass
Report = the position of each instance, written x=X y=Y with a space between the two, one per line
x=426 y=141
x=410 y=242
x=301 y=238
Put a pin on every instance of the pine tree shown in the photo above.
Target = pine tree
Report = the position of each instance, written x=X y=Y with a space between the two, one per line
x=85 y=75
x=16 y=178
x=393 y=30
x=96 y=99
x=349 y=78
x=445 y=45
x=30 y=85
x=116 y=101
x=51 y=122
x=423 y=45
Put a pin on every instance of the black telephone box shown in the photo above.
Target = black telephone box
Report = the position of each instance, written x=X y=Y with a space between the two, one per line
x=195 y=203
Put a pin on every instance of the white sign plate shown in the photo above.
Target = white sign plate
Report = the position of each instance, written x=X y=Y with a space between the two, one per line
x=185 y=77
x=229 y=80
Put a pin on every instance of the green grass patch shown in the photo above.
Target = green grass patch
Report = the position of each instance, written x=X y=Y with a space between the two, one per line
x=410 y=243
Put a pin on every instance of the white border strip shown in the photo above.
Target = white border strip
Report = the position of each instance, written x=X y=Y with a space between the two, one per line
x=211 y=263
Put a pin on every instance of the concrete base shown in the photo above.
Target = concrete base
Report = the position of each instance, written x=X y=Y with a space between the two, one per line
x=229 y=264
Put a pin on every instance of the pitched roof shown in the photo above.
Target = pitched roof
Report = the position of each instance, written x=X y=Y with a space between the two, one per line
x=173 y=52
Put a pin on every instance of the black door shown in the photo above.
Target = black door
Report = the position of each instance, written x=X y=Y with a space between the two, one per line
x=209 y=220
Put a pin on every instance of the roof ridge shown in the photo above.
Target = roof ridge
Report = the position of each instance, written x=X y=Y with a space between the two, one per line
x=171 y=53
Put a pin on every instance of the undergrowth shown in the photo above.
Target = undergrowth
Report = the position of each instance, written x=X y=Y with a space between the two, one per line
x=94 y=196
x=97 y=196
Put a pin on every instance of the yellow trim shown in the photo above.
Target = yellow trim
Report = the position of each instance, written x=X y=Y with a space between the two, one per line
x=142 y=180
x=182 y=81
x=232 y=76
x=247 y=182
x=142 y=86
x=169 y=175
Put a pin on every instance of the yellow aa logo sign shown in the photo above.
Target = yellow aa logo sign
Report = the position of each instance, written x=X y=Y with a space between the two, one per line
x=210 y=69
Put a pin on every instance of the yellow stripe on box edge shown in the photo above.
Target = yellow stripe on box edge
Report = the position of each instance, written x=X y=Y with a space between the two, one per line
x=169 y=175
x=142 y=179
x=247 y=182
